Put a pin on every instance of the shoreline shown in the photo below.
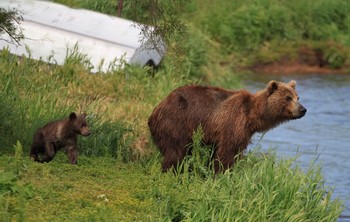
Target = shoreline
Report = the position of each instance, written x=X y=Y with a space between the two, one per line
x=305 y=60
x=294 y=68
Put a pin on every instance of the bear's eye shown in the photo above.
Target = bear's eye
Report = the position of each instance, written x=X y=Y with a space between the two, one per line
x=83 y=125
x=288 y=98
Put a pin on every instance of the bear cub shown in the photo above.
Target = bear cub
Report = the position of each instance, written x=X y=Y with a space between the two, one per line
x=57 y=135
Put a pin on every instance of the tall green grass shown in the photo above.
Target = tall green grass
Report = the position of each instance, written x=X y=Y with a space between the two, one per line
x=34 y=93
x=265 y=189
x=259 y=188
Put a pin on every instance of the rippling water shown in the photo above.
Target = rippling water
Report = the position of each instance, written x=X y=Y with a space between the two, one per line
x=324 y=132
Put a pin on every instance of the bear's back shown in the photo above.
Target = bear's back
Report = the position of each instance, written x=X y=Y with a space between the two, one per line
x=53 y=131
x=191 y=105
x=206 y=96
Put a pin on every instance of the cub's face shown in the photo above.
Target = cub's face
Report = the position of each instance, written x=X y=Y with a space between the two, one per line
x=283 y=101
x=79 y=123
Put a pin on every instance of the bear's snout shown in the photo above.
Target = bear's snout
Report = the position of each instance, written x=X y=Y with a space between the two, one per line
x=302 y=110
x=85 y=132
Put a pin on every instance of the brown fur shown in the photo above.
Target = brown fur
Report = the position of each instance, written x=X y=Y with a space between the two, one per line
x=59 y=134
x=229 y=119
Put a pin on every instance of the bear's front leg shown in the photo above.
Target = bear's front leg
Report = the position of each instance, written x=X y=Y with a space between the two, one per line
x=226 y=154
x=49 y=152
x=172 y=158
x=72 y=153
x=34 y=153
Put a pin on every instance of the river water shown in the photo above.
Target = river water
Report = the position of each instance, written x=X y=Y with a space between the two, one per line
x=322 y=134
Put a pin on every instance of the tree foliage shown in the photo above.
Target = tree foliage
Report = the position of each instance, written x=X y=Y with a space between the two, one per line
x=159 y=18
x=9 y=24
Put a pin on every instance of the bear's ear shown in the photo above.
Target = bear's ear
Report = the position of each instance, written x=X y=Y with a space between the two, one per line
x=272 y=86
x=72 y=116
x=83 y=115
x=292 y=84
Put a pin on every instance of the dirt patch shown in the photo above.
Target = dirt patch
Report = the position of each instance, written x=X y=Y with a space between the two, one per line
x=307 y=61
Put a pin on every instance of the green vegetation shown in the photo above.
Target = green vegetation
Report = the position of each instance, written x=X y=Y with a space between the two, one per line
x=118 y=177
x=9 y=20
x=243 y=34
x=265 y=31
x=259 y=188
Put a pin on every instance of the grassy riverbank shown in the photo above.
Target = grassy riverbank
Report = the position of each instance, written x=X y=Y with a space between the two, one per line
x=105 y=189
x=118 y=177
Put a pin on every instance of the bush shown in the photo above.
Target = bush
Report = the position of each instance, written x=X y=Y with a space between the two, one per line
x=7 y=117
x=247 y=25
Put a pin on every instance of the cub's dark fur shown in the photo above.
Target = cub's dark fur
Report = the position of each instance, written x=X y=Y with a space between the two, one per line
x=59 y=134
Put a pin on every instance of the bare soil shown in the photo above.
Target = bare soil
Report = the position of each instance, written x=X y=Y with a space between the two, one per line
x=307 y=61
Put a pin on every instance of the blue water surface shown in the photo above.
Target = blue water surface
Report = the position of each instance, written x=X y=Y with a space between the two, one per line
x=322 y=134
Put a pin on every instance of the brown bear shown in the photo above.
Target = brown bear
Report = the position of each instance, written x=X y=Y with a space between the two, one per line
x=59 y=134
x=228 y=119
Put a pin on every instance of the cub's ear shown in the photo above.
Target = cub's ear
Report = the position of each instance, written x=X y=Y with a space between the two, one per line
x=292 y=84
x=72 y=116
x=272 y=86
x=83 y=115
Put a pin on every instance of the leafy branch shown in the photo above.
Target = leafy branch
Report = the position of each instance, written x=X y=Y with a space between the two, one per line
x=9 y=24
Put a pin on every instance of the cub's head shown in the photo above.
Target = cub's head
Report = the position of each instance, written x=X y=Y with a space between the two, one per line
x=79 y=124
x=283 y=101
